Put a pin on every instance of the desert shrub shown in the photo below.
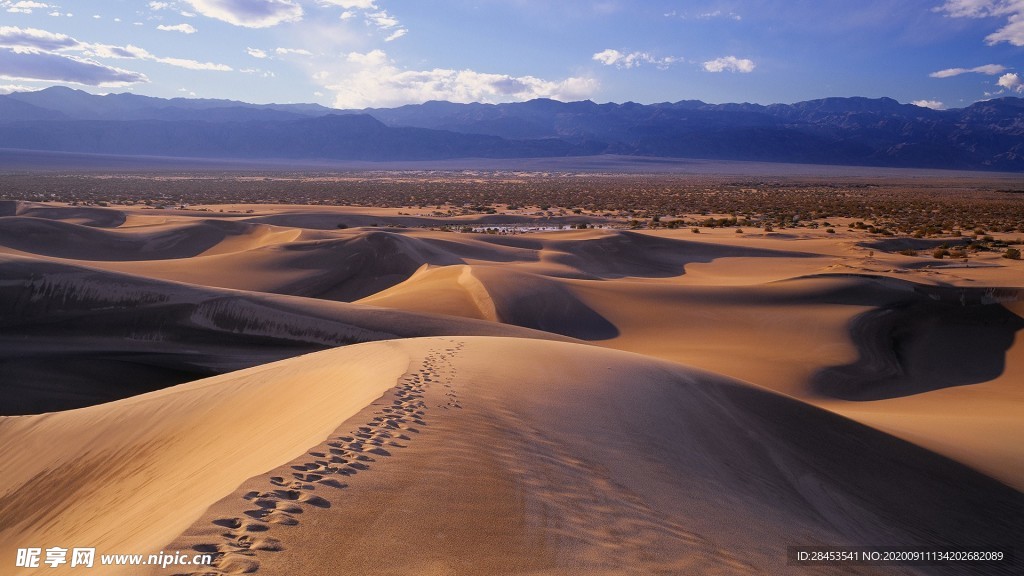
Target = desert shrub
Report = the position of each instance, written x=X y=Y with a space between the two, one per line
x=830 y=230
x=1012 y=254
x=695 y=230
x=940 y=253
x=909 y=252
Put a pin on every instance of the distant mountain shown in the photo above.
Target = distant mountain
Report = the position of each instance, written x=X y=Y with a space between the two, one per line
x=852 y=131
x=339 y=137
x=84 y=106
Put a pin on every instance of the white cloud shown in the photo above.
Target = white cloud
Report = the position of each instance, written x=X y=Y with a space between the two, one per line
x=372 y=79
x=611 y=57
x=371 y=58
x=1011 y=82
x=159 y=5
x=979 y=8
x=256 y=52
x=396 y=34
x=933 y=104
x=608 y=56
x=730 y=64
x=136 y=53
x=713 y=14
x=382 y=19
x=257 y=71
x=23 y=7
x=373 y=15
x=29 y=64
x=297 y=51
x=42 y=42
x=183 y=28
x=1012 y=32
x=15 y=37
x=990 y=69
x=249 y=13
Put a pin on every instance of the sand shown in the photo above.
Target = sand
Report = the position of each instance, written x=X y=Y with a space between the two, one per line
x=292 y=397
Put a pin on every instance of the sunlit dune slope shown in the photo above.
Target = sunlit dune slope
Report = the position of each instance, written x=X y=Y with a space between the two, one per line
x=529 y=456
x=128 y=475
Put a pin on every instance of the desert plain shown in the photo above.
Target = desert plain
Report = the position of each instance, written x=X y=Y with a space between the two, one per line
x=530 y=370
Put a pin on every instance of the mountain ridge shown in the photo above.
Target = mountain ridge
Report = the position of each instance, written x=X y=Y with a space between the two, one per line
x=987 y=135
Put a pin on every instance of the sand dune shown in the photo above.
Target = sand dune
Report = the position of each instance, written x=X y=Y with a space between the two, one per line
x=492 y=293
x=597 y=401
x=350 y=264
x=74 y=336
x=64 y=239
x=587 y=474
x=84 y=215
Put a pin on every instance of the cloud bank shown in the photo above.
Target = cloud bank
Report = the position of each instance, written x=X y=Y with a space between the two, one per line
x=17 y=64
x=33 y=54
x=372 y=79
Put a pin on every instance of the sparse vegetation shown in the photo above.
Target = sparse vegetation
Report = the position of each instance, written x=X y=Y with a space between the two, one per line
x=920 y=208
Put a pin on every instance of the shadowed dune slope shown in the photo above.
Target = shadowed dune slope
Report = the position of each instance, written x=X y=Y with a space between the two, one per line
x=74 y=336
x=670 y=469
x=63 y=239
x=925 y=343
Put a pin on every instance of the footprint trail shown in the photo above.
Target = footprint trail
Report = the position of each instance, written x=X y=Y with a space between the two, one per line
x=314 y=481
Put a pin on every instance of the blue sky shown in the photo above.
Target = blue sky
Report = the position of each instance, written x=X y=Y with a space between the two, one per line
x=364 y=53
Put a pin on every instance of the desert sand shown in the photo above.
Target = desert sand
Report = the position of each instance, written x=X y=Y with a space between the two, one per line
x=389 y=397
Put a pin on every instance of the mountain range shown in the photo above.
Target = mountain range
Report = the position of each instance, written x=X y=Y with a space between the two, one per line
x=987 y=135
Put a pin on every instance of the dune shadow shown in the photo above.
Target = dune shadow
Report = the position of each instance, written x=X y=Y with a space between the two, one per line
x=927 y=343
x=566 y=316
